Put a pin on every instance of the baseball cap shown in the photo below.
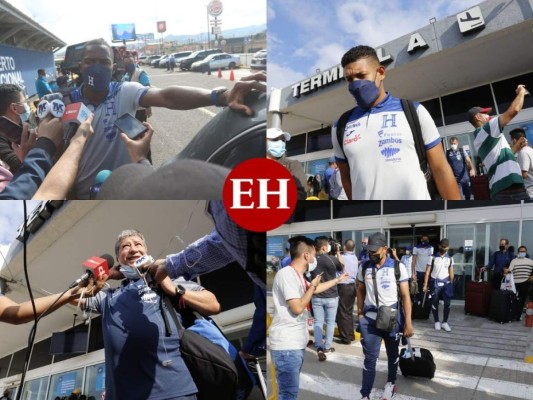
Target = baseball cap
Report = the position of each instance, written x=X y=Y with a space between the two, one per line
x=179 y=179
x=332 y=159
x=476 y=110
x=376 y=241
x=274 y=133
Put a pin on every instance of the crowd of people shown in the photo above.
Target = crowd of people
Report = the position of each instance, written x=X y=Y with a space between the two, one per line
x=45 y=165
x=317 y=279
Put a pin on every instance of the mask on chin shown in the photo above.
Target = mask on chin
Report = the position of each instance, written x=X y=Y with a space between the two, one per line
x=129 y=272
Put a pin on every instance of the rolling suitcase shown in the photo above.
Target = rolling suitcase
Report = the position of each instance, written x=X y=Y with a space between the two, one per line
x=480 y=187
x=421 y=310
x=502 y=306
x=477 y=298
x=415 y=361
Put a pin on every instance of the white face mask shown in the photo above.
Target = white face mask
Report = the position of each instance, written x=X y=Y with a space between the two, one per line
x=453 y=147
x=129 y=272
x=312 y=265
x=521 y=255
x=407 y=252
x=329 y=248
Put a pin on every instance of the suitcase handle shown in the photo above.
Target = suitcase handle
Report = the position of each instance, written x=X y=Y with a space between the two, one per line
x=410 y=349
x=424 y=299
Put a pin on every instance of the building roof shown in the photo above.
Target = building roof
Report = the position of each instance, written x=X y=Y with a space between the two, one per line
x=19 y=30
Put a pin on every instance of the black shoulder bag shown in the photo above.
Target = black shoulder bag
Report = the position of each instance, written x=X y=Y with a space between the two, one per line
x=386 y=319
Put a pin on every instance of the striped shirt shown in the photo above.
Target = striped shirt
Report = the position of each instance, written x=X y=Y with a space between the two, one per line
x=497 y=156
x=522 y=269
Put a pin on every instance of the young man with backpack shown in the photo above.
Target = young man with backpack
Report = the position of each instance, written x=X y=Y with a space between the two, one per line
x=462 y=167
x=375 y=146
x=382 y=295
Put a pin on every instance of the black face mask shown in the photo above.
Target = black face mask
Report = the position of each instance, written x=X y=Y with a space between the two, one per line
x=442 y=250
x=374 y=258
x=502 y=248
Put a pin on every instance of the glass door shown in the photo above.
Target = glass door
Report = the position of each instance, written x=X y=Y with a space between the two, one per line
x=463 y=242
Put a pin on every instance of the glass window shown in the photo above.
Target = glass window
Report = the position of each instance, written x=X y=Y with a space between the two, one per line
x=343 y=236
x=317 y=169
x=40 y=355
x=18 y=362
x=95 y=381
x=275 y=251
x=319 y=140
x=505 y=91
x=456 y=106
x=433 y=107
x=527 y=237
x=36 y=389
x=312 y=211
x=64 y=383
x=478 y=203
x=296 y=145
x=399 y=207
x=499 y=230
x=349 y=209
x=4 y=365
x=463 y=254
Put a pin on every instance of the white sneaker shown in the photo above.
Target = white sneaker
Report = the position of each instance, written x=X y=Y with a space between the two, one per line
x=389 y=391
x=446 y=327
x=437 y=326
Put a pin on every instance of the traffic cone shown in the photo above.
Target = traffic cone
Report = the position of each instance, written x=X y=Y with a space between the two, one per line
x=220 y=72
x=231 y=76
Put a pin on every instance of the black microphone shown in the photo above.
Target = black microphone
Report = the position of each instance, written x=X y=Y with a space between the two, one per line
x=95 y=266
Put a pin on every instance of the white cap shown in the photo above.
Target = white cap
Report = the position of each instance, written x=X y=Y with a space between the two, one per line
x=274 y=133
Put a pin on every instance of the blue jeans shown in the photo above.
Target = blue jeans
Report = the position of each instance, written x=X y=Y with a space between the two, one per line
x=371 y=342
x=324 y=308
x=288 y=365
x=465 y=188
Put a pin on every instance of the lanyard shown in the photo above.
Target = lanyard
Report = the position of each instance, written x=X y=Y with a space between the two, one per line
x=301 y=279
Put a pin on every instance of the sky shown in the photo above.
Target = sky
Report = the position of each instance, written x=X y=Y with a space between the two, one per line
x=11 y=216
x=306 y=35
x=79 y=21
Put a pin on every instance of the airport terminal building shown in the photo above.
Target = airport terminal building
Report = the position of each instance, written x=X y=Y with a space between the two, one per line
x=474 y=228
x=68 y=351
x=474 y=58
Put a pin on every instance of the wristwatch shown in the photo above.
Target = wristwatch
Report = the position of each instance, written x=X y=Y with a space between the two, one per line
x=180 y=291
x=215 y=94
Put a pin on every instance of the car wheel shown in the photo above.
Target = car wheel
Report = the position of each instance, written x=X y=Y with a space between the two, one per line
x=231 y=65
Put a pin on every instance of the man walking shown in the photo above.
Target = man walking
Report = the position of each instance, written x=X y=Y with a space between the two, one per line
x=522 y=270
x=524 y=158
x=347 y=294
x=288 y=334
x=462 y=167
x=380 y=272
x=505 y=177
x=440 y=268
x=421 y=257
x=376 y=152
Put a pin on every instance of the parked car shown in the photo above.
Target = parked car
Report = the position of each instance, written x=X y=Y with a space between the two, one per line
x=177 y=56
x=155 y=63
x=216 y=61
x=199 y=55
x=148 y=59
x=259 y=60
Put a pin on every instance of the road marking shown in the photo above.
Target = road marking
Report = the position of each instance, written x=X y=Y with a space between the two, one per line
x=208 y=112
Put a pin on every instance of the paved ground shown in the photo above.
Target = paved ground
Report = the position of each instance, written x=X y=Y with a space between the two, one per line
x=174 y=129
x=479 y=359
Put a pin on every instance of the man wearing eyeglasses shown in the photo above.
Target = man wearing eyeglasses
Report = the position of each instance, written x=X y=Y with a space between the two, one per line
x=504 y=174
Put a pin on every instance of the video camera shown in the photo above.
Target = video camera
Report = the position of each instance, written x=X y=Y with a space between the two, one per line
x=334 y=246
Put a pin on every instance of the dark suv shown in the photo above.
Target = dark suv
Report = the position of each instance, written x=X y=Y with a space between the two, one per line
x=185 y=64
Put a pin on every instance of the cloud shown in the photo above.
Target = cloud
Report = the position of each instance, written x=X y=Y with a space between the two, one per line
x=11 y=216
x=280 y=76
x=327 y=56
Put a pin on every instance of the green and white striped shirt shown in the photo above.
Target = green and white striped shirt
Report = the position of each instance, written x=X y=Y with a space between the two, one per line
x=497 y=156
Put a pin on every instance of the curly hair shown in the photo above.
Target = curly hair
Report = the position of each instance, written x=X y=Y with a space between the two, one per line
x=358 y=52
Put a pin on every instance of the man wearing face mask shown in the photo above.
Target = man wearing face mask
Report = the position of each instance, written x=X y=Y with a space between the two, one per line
x=276 y=148
x=407 y=258
x=380 y=272
x=136 y=347
x=421 y=256
x=110 y=100
x=376 y=156
x=524 y=157
x=288 y=333
x=460 y=162
x=363 y=254
x=325 y=304
x=522 y=270
x=41 y=84
x=347 y=294
x=498 y=262
x=503 y=172
x=440 y=267
x=14 y=107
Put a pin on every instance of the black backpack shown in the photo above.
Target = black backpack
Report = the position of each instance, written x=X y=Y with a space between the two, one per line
x=414 y=123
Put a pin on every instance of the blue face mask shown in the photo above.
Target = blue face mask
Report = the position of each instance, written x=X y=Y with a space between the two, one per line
x=25 y=116
x=276 y=148
x=129 y=272
x=97 y=77
x=365 y=92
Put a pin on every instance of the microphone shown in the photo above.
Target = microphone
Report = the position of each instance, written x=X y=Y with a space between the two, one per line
x=98 y=181
x=55 y=107
x=75 y=114
x=95 y=266
x=140 y=263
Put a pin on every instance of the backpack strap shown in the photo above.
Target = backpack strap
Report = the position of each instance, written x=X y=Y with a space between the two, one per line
x=397 y=276
x=341 y=126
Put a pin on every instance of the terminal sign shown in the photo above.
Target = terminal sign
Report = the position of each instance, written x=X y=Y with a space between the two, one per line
x=470 y=20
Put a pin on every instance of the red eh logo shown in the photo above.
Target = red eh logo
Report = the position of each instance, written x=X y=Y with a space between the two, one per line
x=259 y=194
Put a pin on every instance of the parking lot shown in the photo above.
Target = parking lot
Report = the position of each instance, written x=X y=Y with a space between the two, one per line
x=174 y=129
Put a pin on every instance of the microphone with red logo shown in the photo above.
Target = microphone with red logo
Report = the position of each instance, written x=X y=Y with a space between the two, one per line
x=75 y=114
x=96 y=267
